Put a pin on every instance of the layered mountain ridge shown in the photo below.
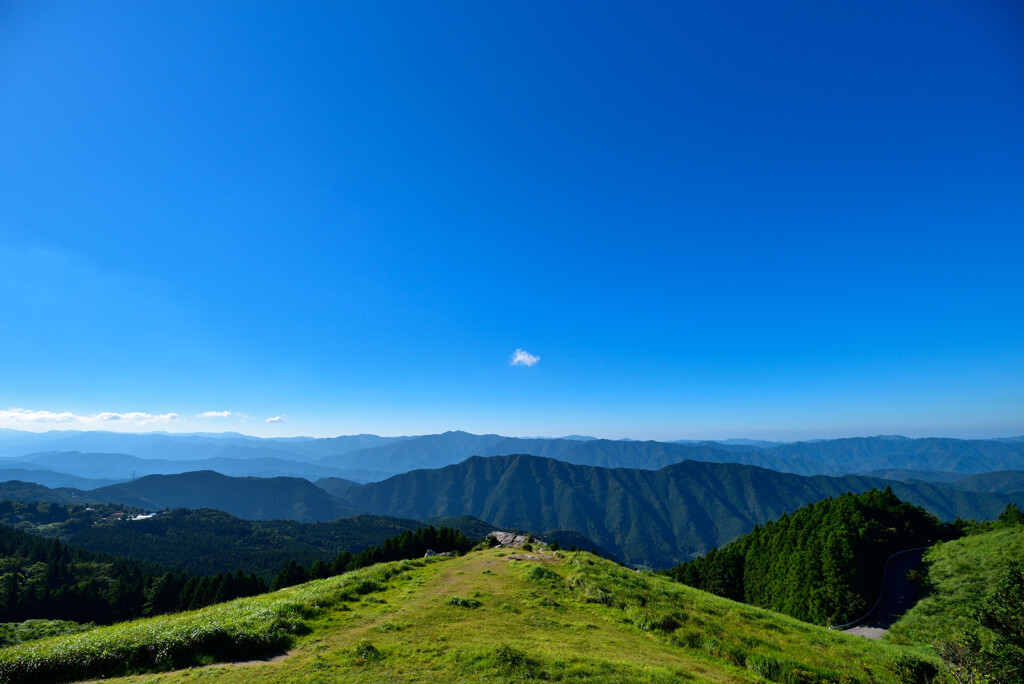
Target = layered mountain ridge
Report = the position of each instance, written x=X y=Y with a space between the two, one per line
x=652 y=518
x=367 y=458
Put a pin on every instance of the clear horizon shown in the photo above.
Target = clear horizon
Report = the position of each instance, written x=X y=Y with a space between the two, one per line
x=648 y=222
x=42 y=430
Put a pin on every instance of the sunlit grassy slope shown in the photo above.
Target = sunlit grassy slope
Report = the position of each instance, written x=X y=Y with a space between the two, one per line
x=961 y=574
x=481 y=617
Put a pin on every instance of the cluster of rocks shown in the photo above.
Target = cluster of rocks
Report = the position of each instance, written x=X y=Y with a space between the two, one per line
x=506 y=540
x=511 y=540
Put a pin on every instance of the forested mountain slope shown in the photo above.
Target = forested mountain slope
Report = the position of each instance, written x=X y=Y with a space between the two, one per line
x=653 y=518
x=48 y=579
x=823 y=563
x=207 y=542
x=16 y=490
x=254 y=498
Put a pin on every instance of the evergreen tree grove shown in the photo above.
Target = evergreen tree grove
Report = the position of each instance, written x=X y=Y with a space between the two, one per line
x=822 y=563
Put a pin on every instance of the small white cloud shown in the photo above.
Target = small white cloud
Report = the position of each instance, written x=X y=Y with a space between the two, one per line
x=277 y=419
x=20 y=416
x=214 y=414
x=523 y=358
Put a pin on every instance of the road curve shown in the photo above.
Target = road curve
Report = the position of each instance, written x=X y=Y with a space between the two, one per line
x=897 y=598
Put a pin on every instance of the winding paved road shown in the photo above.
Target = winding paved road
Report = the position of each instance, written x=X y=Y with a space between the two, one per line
x=897 y=599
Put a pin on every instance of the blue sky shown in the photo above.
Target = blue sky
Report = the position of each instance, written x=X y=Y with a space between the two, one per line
x=705 y=220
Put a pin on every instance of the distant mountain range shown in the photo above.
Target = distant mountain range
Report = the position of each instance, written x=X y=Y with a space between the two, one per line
x=253 y=498
x=366 y=458
x=655 y=518
x=437 y=451
x=118 y=467
x=30 y=472
x=179 y=447
x=1005 y=481
x=861 y=454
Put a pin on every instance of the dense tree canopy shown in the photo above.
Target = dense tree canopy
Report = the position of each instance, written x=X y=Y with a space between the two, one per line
x=45 y=578
x=823 y=563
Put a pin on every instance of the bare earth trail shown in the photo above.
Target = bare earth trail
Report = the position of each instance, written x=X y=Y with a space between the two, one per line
x=898 y=598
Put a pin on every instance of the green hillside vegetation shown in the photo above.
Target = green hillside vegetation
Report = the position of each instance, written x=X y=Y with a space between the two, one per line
x=208 y=542
x=60 y=520
x=823 y=563
x=46 y=579
x=203 y=541
x=175 y=592
x=957 y=576
x=484 y=616
x=32 y=630
x=644 y=517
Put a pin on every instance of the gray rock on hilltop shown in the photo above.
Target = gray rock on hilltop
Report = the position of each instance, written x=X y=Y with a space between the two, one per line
x=510 y=539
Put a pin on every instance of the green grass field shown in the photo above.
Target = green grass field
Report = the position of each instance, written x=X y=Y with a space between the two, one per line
x=481 y=617
x=960 y=574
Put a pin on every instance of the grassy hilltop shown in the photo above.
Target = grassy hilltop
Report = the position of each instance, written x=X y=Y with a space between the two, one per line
x=563 y=617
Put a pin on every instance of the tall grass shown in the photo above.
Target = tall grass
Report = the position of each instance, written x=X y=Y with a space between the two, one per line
x=959 y=575
x=238 y=630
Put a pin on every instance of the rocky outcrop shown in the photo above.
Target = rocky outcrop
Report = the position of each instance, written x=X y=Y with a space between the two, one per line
x=509 y=539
